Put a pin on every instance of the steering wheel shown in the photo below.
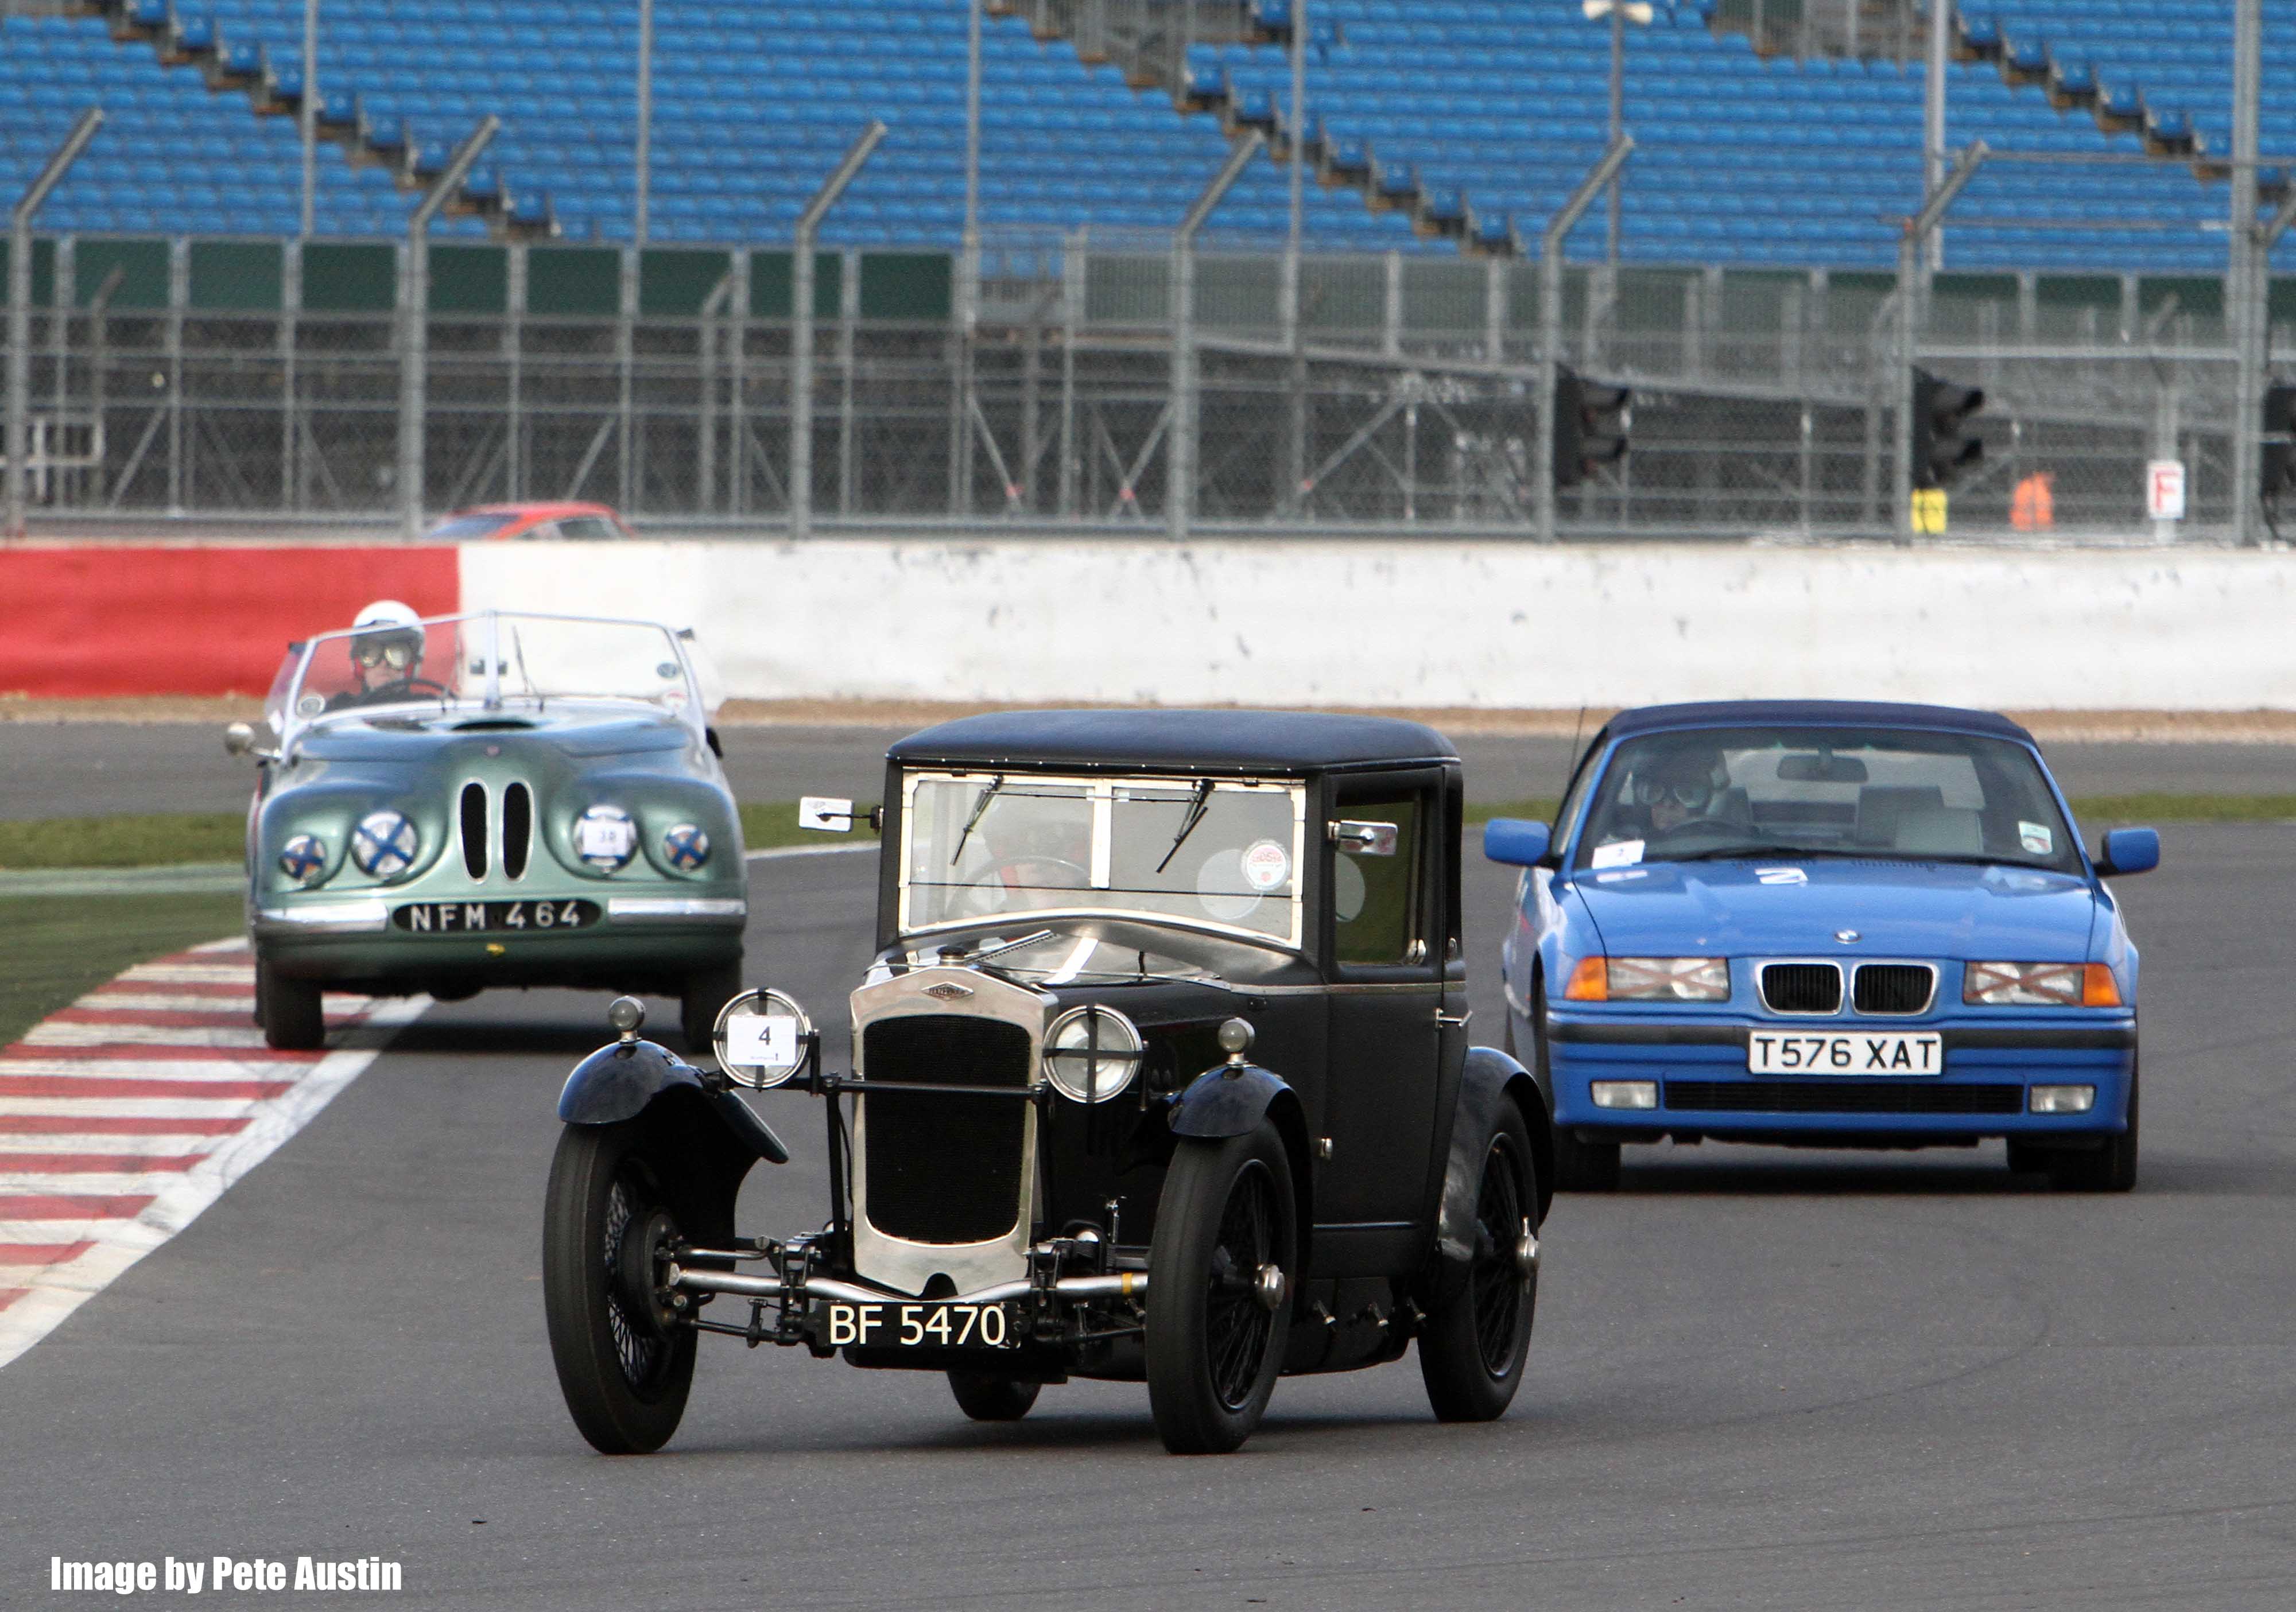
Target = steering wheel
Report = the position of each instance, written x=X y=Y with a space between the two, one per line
x=988 y=893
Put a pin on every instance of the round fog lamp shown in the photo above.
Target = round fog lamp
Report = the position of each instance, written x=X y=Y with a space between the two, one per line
x=1092 y=1054
x=303 y=858
x=383 y=843
x=605 y=837
x=761 y=1039
x=686 y=847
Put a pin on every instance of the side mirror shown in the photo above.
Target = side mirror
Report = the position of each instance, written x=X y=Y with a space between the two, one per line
x=2129 y=851
x=829 y=815
x=1517 y=841
x=239 y=740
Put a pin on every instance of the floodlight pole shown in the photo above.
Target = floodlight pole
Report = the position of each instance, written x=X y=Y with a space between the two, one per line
x=309 y=118
x=1294 y=333
x=1550 y=321
x=809 y=224
x=1618 y=127
x=1916 y=231
x=2249 y=275
x=644 y=155
x=20 y=308
x=1180 y=449
x=415 y=334
x=1934 y=157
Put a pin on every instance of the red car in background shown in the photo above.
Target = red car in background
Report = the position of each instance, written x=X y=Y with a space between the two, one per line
x=490 y=521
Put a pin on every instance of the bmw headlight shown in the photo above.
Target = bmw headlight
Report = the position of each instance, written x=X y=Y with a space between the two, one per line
x=2040 y=984
x=1092 y=1054
x=383 y=845
x=1649 y=979
x=686 y=847
x=605 y=837
x=304 y=858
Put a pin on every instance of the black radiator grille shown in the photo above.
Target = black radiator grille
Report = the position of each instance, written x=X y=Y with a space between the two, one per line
x=1893 y=987
x=473 y=825
x=518 y=829
x=1802 y=987
x=1840 y=1097
x=945 y=1167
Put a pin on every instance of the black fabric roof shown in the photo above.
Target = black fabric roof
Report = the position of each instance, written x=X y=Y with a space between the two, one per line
x=1287 y=741
x=1829 y=713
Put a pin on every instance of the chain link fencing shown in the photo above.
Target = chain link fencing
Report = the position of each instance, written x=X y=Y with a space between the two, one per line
x=1402 y=394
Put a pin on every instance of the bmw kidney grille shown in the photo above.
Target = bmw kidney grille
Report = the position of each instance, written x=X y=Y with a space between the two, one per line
x=473 y=825
x=1802 y=987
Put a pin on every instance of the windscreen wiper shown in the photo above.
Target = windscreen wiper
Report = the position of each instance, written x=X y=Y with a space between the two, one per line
x=979 y=806
x=1198 y=803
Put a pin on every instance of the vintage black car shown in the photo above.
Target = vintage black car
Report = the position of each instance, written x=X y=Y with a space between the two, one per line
x=1161 y=1073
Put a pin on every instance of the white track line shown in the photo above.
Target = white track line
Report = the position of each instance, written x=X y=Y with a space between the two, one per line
x=78 y=1203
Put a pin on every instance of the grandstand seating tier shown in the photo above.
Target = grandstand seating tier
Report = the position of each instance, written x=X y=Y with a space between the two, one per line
x=1740 y=161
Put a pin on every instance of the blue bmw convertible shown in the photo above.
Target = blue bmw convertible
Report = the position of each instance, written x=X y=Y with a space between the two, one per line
x=1828 y=924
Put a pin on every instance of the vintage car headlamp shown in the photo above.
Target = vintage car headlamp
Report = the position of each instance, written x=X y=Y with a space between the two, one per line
x=384 y=843
x=685 y=847
x=1092 y=1054
x=761 y=1039
x=2040 y=984
x=605 y=837
x=304 y=858
x=1667 y=979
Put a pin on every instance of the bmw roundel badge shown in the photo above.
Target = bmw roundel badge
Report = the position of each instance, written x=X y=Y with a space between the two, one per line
x=685 y=847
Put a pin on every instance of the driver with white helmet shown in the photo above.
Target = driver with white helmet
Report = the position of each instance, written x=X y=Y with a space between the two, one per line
x=386 y=649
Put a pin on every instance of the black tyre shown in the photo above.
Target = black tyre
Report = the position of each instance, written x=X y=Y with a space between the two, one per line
x=2111 y=1168
x=1215 y=1340
x=984 y=1397
x=1579 y=1166
x=705 y=996
x=1474 y=1342
x=624 y=1364
x=293 y=1020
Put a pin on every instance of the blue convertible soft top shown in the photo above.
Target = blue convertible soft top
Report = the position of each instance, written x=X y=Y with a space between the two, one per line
x=1829 y=713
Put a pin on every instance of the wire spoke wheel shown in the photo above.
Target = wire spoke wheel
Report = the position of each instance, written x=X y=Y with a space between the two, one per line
x=1477 y=1333
x=1220 y=1303
x=1495 y=1284
x=624 y=1363
x=1238 y=1324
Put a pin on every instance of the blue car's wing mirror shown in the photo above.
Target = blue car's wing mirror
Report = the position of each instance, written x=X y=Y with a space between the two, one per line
x=2129 y=851
x=1516 y=841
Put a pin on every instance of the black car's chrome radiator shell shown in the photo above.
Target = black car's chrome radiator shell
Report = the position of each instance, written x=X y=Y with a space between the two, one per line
x=946 y=1167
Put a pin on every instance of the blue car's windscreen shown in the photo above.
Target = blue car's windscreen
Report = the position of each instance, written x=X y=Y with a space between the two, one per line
x=1714 y=793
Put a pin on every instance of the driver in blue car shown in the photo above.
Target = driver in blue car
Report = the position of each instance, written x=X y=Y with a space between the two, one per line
x=1681 y=786
x=386 y=651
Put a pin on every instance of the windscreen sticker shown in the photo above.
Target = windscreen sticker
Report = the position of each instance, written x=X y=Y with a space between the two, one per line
x=2036 y=838
x=1267 y=865
x=1781 y=875
x=1619 y=854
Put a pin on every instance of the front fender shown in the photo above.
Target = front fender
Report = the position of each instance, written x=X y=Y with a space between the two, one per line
x=1226 y=1100
x=1490 y=1080
x=622 y=1079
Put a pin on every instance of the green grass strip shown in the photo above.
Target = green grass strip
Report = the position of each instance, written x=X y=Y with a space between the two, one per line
x=2117 y=811
x=56 y=948
x=122 y=842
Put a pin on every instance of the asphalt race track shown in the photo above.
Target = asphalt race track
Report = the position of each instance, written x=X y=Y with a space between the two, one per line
x=56 y=769
x=1760 y=1379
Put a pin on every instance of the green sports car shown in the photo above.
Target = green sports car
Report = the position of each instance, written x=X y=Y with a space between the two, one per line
x=448 y=805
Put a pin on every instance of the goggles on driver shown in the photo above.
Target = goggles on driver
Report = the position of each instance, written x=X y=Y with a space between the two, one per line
x=1692 y=793
x=399 y=654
